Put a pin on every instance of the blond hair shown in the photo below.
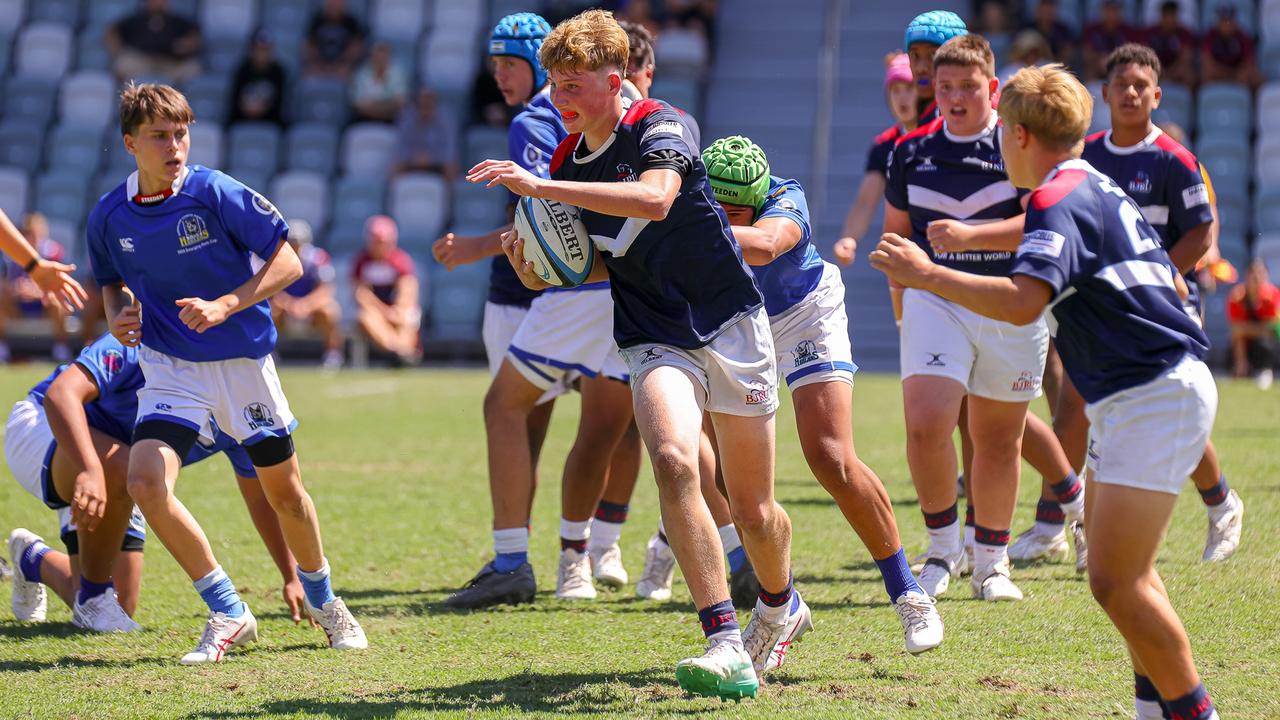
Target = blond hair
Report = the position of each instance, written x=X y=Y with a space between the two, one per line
x=149 y=101
x=587 y=41
x=1051 y=103
x=970 y=50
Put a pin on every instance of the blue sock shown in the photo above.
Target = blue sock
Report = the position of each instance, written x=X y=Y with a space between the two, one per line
x=29 y=563
x=90 y=590
x=737 y=558
x=1195 y=705
x=510 y=549
x=897 y=576
x=316 y=586
x=509 y=562
x=220 y=594
x=719 y=618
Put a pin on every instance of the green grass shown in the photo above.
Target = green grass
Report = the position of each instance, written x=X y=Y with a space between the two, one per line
x=396 y=465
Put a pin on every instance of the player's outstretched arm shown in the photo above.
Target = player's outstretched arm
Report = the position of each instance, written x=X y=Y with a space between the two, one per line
x=767 y=239
x=649 y=199
x=267 y=524
x=279 y=272
x=53 y=278
x=453 y=250
x=858 y=220
x=64 y=407
x=1019 y=300
x=124 y=315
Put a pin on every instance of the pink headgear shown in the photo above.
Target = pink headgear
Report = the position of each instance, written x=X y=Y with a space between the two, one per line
x=899 y=70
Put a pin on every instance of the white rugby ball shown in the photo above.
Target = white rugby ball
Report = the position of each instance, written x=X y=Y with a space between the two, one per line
x=555 y=241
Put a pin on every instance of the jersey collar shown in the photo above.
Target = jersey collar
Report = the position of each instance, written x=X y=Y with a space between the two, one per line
x=626 y=105
x=991 y=125
x=1146 y=142
x=133 y=192
x=1072 y=164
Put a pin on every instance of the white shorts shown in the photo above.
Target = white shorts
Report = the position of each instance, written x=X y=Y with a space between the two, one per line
x=28 y=450
x=500 y=325
x=242 y=395
x=1152 y=436
x=564 y=333
x=737 y=370
x=811 y=338
x=991 y=359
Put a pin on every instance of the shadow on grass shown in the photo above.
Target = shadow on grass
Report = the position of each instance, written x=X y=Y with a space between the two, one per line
x=31 y=630
x=71 y=662
x=605 y=694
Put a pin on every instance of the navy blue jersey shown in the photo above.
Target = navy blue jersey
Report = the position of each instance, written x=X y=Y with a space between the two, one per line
x=934 y=175
x=531 y=141
x=197 y=243
x=1119 y=321
x=794 y=274
x=679 y=281
x=881 y=147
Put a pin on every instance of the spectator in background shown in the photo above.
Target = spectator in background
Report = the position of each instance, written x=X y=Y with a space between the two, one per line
x=1226 y=52
x=155 y=42
x=993 y=24
x=640 y=12
x=1029 y=49
x=335 y=42
x=640 y=62
x=1253 y=311
x=257 y=92
x=21 y=297
x=427 y=143
x=487 y=106
x=312 y=299
x=1061 y=38
x=386 y=290
x=1174 y=45
x=380 y=87
x=1101 y=37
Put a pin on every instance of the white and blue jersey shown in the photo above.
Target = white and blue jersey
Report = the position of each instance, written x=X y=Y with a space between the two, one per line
x=680 y=281
x=1120 y=322
x=196 y=243
x=794 y=274
x=935 y=175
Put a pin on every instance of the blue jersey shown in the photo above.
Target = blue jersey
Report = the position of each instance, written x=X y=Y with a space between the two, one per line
x=679 y=281
x=197 y=243
x=1163 y=178
x=794 y=274
x=531 y=141
x=934 y=175
x=1119 y=321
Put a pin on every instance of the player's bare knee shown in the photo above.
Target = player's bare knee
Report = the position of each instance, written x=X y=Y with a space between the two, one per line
x=673 y=463
x=146 y=486
x=753 y=518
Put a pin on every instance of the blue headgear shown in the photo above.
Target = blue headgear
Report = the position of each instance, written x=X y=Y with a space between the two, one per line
x=520 y=35
x=935 y=26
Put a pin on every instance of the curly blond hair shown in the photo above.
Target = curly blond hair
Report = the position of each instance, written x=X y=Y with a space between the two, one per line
x=587 y=41
x=1051 y=103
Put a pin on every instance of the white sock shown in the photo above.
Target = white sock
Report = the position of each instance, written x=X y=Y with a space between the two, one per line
x=1044 y=528
x=770 y=613
x=1148 y=710
x=1074 y=510
x=987 y=557
x=604 y=533
x=946 y=540
x=511 y=540
x=575 y=529
x=733 y=636
x=969 y=532
x=729 y=538
x=662 y=526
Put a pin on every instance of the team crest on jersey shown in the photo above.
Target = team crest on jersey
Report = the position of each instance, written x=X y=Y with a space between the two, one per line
x=786 y=204
x=1141 y=183
x=532 y=155
x=192 y=232
x=805 y=352
x=1026 y=382
x=926 y=164
x=112 y=362
x=758 y=396
x=265 y=207
x=258 y=416
x=626 y=174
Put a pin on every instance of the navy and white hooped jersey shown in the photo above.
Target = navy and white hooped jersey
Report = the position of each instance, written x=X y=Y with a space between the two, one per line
x=1119 y=320
x=531 y=141
x=197 y=243
x=794 y=274
x=881 y=147
x=935 y=175
x=680 y=281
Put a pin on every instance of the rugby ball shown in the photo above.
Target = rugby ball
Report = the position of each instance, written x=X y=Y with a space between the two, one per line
x=555 y=241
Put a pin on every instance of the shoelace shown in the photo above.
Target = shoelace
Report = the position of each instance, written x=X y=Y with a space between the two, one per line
x=656 y=567
x=577 y=573
x=914 y=610
x=344 y=623
x=760 y=635
x=211 y=629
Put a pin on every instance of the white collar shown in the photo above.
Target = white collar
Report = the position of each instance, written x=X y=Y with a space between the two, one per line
x=991 y=124
x=1072 y=164
x=1141 y=144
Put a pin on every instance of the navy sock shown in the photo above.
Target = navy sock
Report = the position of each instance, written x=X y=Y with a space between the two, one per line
x=719 y=618
x=941 y=519
x=987 y=536
x=1145 y=691
x=780 y=598
x=579 y=545
x=1195 y=705
x=1067 y=490
x=90 y=589
x=1217 y=494
x=317 y=586
x=29 y=563
x=1050 y=512
x=509 y=562
x=611 y=512
x=897 y=575
x=219 y=593
x=737 y=558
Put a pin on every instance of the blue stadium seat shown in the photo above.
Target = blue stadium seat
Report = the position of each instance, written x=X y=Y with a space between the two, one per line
x=457 y=301
x=398 y=19
x=680 y=92
x=77 y=147
x=681 y=51
x=6 y=50
x=91 y=51
x=208 y=95
x=477 y=209
x=321 y=100
x=356 y=199
x=43 y=50
x=460 y=17
x=223 y=53
x=419 y=202
x=447 y=60
x=105 y=12
x=255 y=179
x=30 y=98
x=1228 y=162
x=1269 y=59
x=1266 y=155
x=21 y=143
x=312 y=146
x=1224 y=107
x=105 y=183
x=253 y=148
x=1267 y=109
x=228 y=18
x=482 y=143
x=1266 y=211
x=118 y=162
x=207 y=145
x=368 y=150
x=301 y=194
x=63 y=194
x=286 y=17
x=499 y=9
x=1175 y=105
x=1244 y=13
x=66 y=12
x=14 y=190
x=1267 y=249
x=346 y=236
x=186 y=8
x=88 y=97
x=12 y=13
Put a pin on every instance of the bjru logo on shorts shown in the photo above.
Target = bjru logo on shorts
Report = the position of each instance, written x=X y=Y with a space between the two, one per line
x=258 y=416
x=805 y=352
x=758 y=396
x=1026 y=382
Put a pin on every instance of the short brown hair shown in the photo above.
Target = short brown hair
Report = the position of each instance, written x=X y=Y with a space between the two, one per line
x=587 y=41
x=1050 y=103
x=970 y=50
x=641 y=42
x=149 y=101
x=1133 y=53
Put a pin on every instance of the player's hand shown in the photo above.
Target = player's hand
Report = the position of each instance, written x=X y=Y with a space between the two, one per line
x=508 y=174
x=454 y=250
x=513 y=248
x=1180 y=285
x=200 y=315
x=949 y=236
x=89 y=501
x=846 y=250
x=293 y=598
x=126 y=327
x=59 y=288
x=902 y=260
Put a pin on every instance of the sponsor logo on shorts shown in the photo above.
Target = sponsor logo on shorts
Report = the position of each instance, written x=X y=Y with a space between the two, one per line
x=1026 y=382
x=758 y=396
x=258 y=416
x=935 y=360
x=805 y=352
x=164 y=406
x=650 y=355
x=112 y=362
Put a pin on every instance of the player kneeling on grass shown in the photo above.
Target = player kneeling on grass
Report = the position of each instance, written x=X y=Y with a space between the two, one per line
x=67 y=443
x=182 y=237
x=691 y=326
x=1128 y=346
x=804 y=297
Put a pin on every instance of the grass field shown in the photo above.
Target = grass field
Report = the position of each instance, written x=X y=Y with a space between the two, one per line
x=396 y=465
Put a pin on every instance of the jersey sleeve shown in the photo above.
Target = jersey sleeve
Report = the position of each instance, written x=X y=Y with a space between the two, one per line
x=1188 y=197
x=878 y=157
x=895 y=176
x=530 y=143
x=664 y=140
x=1050 y=243
x=253 y=222
x=787 y=200
x=103 y=360
x=104 y=269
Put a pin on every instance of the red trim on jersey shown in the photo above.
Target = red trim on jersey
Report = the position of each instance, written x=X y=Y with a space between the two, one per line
x=1168 y=144
x=1095 y=137
x=890 y=134
x=1060 y=186
x=642 y=109
x=929 y=129
x=565 y=147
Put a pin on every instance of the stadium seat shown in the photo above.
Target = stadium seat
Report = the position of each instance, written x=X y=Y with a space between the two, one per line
x=483 y=143
x=356 y=199
x=419 y=202
x=477 y=209
x=13 y=192
x=12 y=13
x=1269 y=60
x=253 y=148
x=460 y=17
x=1267 y=110
x=1228 y=162
x=43 y=50
x=118 y=162
x=186 y=8
x=1244 y=13
x=1233 y=214
x=1267 y=249
x=78 y=147
x=1188 y=13
x=105 y=183
x=1224 y=107
x=358 y=8
x=208 y=95
x=1266 y=210
x=345 y=236
x=680 y=92
x=88 y=97
x=105 y=12
x=255 y=179
x=223 y=53
x=399 y=19
x=65 y=12
x=91 y=51
x=228 y=18
x=368 y=150
x=67 y=233
x=321 y=100
x=1093 y=10
x=1266 y=156
x=21 y=143
x=499 y=9
x=286 y=17
x=1175 y=106
x=447 y=60
x=312 y=146
x=1269 y=23
x=206 y=145
x=677 y=49
x=301 y=194
x=1101 y=113
x=63 y=194
x=457 y=302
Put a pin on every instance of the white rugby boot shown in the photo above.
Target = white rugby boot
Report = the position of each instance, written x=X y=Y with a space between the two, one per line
x=767 y=642
x=221 y=634
x=573 y=578
x=103 y=614
x=1082 y=547
x=339 y=625
x=938 y=569
x=1226 y=521
x=1040 y=543
x=30 y=601
x=996 y=586
x=921 y=622
x=723 y=671
x=606 y=566
x=659 y=571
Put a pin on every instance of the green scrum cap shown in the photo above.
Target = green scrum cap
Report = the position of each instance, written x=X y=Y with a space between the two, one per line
x=738 y=170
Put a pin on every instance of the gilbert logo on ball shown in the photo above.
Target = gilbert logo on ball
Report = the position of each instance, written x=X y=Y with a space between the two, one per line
x=555 y=241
